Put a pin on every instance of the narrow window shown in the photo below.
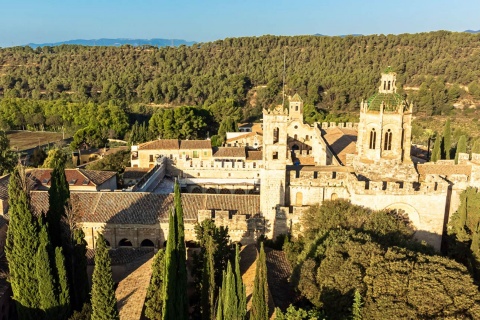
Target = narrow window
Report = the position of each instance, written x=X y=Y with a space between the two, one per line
x=151 y=158
x=295 y=137
x=275 y=155
x=388 y=140
x=373 y=138
x=296 y=108
x=384 y=85
x=388 y=85
x=275 y=135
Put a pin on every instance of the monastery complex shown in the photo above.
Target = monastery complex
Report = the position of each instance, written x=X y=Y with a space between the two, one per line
x=269 y=173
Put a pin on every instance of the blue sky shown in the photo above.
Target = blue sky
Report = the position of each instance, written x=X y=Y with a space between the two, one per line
x=24 y=21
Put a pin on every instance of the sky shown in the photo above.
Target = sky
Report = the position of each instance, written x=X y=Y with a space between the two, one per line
x=34 y=21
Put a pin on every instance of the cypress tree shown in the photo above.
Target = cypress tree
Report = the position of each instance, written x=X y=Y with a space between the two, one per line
x=181 y=290
x=62 y=288
x=104 y=302
x=170 y=275
x=21 y=247
x=58 y=196
x=461 y=147
x=219 y=315
x=240 y=288
x=154 y=297
x=79 y=276
x=357 y=306
x=259 y=309
x=46 y=280
x=230 y=302
x=436 y=152
x=447 y=140
x=476 y=146
x=207 y=294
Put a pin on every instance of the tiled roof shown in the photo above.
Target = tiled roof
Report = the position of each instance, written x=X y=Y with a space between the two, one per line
x=195 y=144
x=254 y=155
x=134 y=173
x=161 y=144
x=4 y=187
x=121 y=256
x=75 y=177
x=255 y=126
x=145 y=208
x=230 y=152
x=443 y=169
x=342 y=141
x=246 y=135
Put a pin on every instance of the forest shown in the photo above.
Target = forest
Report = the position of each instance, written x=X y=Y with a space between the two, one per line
x=47 y=87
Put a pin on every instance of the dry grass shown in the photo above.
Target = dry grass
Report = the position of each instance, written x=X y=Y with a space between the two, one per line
x=24 y=140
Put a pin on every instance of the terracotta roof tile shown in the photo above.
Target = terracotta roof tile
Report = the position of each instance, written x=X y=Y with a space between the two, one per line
x=230 y=152
x=254 y=155
x=146 y=208
x=75 y=177
x=134 y=173
x=195 y=144
x=342 y=141
x=162 y=144
x=246 y=135
x=443 y=169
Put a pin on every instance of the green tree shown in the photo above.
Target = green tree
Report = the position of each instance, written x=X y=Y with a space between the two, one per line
x=154 y=298
x=79 y=277
x=8 y=158
x=476 y=146
x=259 y=310
x=357 y=306
x=447 y=141
x=104 y=302
x=55 y=156
x=21 y=247
x=240 y=290
x=62 y=285
x=175 y=304
x=58 y=196
x=437 y=150
x=298 y=314
x=461 y=147
x=207 y=284
x=38 y=157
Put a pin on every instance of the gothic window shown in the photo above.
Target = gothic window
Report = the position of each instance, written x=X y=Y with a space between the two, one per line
x=296 y=108
x=384 y=85
x=373 y=139
x=388 y=140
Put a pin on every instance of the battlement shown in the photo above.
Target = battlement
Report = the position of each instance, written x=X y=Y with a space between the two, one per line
x=278 y=110
x=223 y=218
x=210 y=164
x=348 y=125
x=396 y=188
x=317 y=178
x=475 y=157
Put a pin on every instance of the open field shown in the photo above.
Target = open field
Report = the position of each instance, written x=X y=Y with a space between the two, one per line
x=24 y=140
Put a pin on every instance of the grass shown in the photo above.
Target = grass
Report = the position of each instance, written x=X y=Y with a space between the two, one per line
x=24 y=140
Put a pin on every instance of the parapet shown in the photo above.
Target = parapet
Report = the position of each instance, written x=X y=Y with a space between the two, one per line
x=397 y=187
x=348 y=125
x=317 y=178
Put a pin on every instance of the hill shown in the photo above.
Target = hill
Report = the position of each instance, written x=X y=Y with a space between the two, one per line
x=333 y=73
x=117 y=42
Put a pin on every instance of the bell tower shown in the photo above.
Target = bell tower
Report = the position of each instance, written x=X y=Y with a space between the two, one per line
x=273 y=173
x=296 y=108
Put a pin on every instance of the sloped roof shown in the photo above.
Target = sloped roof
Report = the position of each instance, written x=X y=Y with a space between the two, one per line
x=296 y=98
x=195 y=144
x=443 y=169
x=134 y=173
x=161 y=144
x=145 y=208
x=391 y=101
x=230 y=152
x=341 y=141
x=254 y=155
x=246 y=135
x=75 y=177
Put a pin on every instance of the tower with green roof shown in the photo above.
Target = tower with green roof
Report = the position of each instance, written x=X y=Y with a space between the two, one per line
x=385 y=127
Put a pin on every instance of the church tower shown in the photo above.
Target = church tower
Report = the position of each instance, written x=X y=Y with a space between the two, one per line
x=296 y=108
x=385 y=129
x=273 y=173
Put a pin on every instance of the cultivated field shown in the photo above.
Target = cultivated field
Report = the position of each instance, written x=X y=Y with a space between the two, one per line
x=24 y=140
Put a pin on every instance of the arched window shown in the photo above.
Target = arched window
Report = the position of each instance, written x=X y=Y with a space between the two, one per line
x=334 y=196
x=296 y=108
x=384 y=85
x=275 y=135
x=388 y=140
x=388 y=85
x=373 y=139
x=125 y=243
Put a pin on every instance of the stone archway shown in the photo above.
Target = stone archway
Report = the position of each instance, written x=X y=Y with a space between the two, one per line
x=196 y=190
x=334 y=196
x=225 y=191
x=147 y=243
x=239 y=191
x=125 y=243
x=403 y=209
x=211 y=191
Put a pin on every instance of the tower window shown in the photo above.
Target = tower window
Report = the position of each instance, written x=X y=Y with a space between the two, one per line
x=373 y=139
x=388 y=85
x=275 y=155
x=388 y=140
x=384 y=85
x=296 y=108
x=275 y=135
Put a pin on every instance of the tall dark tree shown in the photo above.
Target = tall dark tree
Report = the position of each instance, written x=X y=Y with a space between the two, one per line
x=58 y=196
x=207 y=284
x=45 y=275
x=21 y=247
x=447 y=140
x=240 y=290
x=7 y=156
x=175 y=304
x=461 y=147
x=437 y=149
x=63 y=292
x=154 y=297
x=259 y=310
x=104 y=302
x=79 y=276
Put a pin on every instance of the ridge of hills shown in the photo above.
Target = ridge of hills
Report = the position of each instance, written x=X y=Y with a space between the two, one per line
x=116 y=42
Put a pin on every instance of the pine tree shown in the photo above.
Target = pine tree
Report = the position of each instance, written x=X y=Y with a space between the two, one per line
x=447 y=140
x=21 y=247
x=58 y=196
x=154 y=298
x=461 y=147
x=436 y=152
x=104 y=302
x=357 y=306
x=62 y=287
x=240 y=288
x=259 y=309
x=46 y=280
